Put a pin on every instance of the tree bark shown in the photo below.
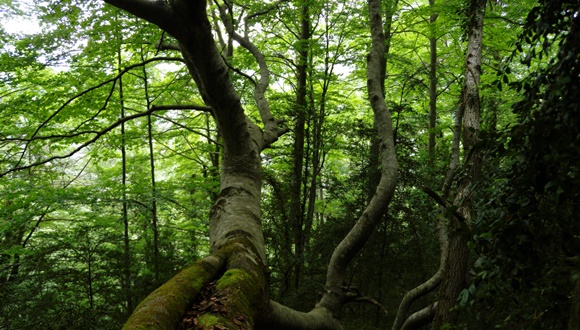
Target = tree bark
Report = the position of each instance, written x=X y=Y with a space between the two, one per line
x=432 y=84
x=154 y=219
x=296 y=205
x=126 y=242
x=458 y=252
x=237 y=251
x=335 y=293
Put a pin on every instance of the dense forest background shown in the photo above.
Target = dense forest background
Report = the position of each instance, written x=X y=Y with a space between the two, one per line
x=110 y=160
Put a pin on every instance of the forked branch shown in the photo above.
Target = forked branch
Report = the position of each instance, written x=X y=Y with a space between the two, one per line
x=271 y=129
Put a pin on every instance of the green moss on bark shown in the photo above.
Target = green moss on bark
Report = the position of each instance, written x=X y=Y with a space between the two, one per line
x=164 y=308
x=242 y=288
x=207 y=320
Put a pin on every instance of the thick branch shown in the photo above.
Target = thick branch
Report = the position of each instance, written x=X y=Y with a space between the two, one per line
x=157 y=12
x=284 y=318
x=164 y=308
x=420 y=318
x=333 y=297
x=211 y=76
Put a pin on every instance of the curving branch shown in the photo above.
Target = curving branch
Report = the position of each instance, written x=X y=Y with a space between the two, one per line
x=420 y=318
x=271 y=129
x=401 y=320
x=71 y=135
x=282 y=317
x=334 y=297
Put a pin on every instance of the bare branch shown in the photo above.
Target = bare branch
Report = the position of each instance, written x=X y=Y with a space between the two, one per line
x=209 y=138
x=366 y=299
x=240 y=72
x=36 y=225
x=160 y=45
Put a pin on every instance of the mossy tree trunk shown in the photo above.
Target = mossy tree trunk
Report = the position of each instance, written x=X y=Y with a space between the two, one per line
x=237 y=260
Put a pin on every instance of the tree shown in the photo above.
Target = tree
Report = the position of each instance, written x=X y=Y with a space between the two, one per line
x=236 y=237
x=129 y=137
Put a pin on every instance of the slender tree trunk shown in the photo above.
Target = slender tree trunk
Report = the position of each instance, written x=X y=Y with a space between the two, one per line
x=126 y=246
x=374 y=172
x=296 y=207
x=90 y=274
x=154 y=218
x=456 y=269
x=432 y=84
x=574 y=321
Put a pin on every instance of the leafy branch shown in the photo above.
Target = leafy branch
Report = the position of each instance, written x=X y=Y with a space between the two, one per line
x=98 y=134
x=86 y=91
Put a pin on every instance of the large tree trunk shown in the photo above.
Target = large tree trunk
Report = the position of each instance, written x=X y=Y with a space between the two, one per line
x=456 y=268
x=237 y=257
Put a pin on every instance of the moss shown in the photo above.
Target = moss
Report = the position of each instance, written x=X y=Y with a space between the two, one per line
x=164 y=308
x=241 y=289
x=207 y=320
x=233 y=278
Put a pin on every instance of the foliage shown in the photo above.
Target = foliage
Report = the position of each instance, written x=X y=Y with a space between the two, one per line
x=70 y=174
x=527 y=235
